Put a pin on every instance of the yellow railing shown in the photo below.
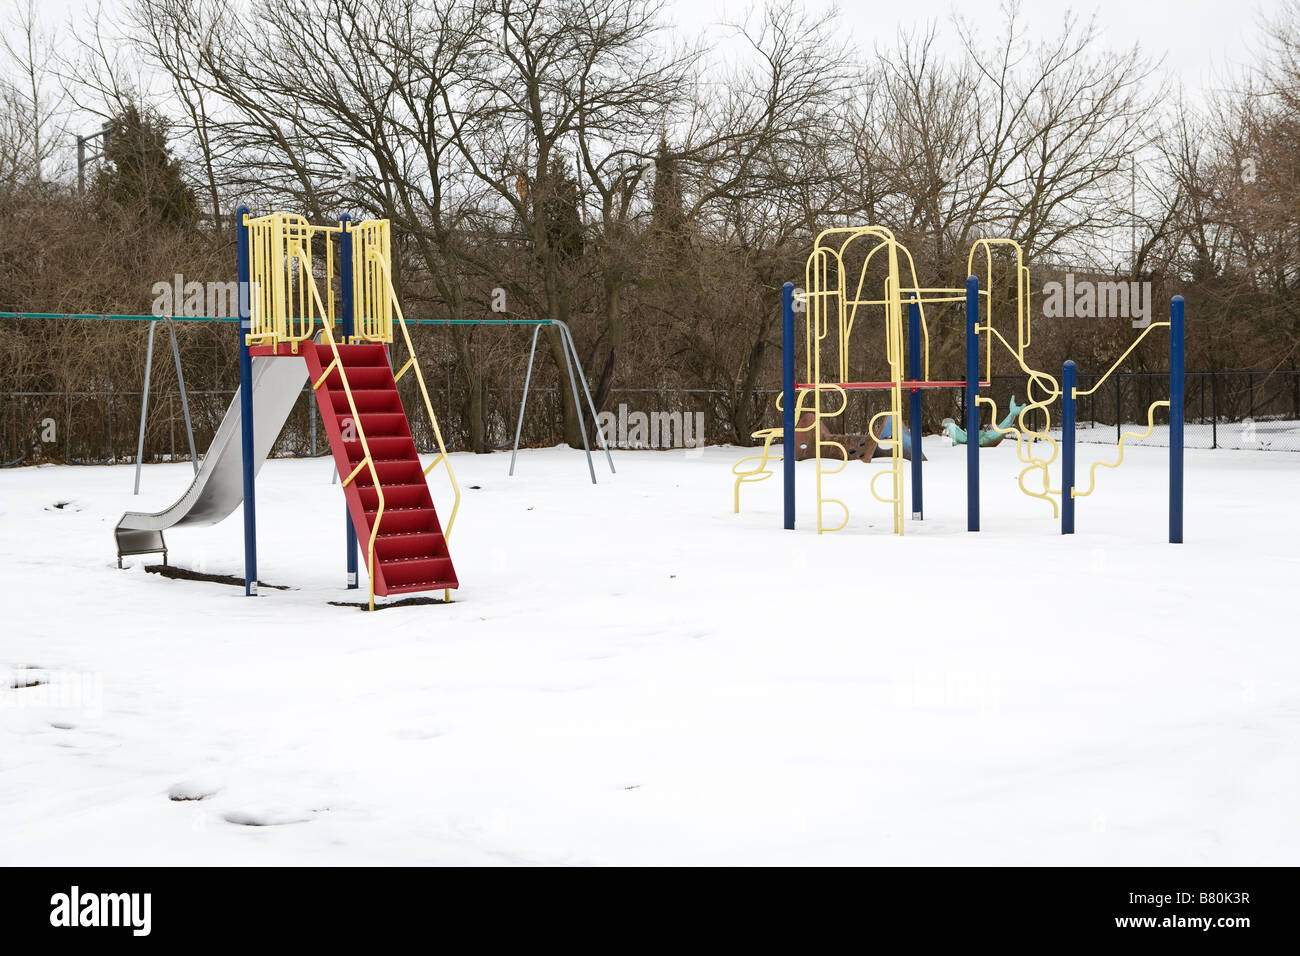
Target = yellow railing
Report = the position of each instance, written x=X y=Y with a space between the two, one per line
x=373 y=296
x=283 y=279
x=367 y=460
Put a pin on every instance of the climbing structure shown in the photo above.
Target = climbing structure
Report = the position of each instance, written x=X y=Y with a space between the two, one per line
x=841 y=289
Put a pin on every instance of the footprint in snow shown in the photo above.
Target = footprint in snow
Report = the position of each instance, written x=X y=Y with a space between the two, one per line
x=266 y=817
x=192 y=790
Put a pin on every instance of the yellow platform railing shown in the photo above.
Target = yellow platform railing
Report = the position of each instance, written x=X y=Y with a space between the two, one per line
x=282 y=274
x=374 y=298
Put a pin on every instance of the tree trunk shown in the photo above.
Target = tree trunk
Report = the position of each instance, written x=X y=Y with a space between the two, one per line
x=475 y=424
x=558 y=303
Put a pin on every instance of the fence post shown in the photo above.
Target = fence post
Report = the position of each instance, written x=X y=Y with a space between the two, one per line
x=789 y=401
x=1067 y=448
x=1201 y=415
x=1214 y=409
x=972 y=405
x=1176 y=408
x=1119 y=406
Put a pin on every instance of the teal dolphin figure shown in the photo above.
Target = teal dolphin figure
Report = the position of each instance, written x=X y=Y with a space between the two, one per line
x=989 y=437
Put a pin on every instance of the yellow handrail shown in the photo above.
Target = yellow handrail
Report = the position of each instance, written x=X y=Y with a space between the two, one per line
x=412 y=362
x=367 y=460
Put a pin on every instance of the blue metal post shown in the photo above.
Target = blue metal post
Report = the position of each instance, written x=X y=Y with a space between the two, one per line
x=914 y=414
x=1176 y=409
x=972 y=405
x=1067 y=448
x=349 y=327
x=789 y=399
x=246 y=401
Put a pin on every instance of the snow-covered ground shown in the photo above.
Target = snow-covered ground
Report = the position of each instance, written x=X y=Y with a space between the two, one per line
x=632 y=674
x=1250 y=435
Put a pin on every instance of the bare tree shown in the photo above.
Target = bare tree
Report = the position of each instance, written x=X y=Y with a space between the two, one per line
x=35 y=105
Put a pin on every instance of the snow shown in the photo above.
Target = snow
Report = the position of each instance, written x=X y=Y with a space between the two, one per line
x=631 y=674
x=1249 y=435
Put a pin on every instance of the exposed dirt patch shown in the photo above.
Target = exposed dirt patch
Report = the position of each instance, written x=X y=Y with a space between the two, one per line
x=404 y=602
x=185 y=574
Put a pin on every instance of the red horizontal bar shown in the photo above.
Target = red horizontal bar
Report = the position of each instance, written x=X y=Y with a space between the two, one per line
x=911 y=385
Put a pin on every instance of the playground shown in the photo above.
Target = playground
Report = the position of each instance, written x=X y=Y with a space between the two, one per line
x=631 y=673
x=992 y=651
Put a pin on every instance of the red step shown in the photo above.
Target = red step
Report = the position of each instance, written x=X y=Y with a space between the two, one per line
x=410 y=547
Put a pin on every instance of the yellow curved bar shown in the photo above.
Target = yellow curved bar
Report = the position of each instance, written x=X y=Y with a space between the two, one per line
x=1136 y=436
x=1037 y=380
x=821 y=526
x=825 y=278
x=1080 y=393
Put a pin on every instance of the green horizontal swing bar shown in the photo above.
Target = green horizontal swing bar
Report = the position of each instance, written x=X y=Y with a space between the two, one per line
x=110 y=317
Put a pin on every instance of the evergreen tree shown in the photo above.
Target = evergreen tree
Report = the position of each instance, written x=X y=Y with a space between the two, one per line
x=139 y=178
x=560 y=212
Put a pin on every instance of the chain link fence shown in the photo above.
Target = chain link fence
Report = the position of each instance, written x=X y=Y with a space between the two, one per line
x=1257 y=411
x=1241 y=410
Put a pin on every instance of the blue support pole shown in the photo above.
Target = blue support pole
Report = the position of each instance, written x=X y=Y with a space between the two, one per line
x=1176 y=410
x=914 y=414
x=246 y=401
x=789 y=400
x=1067 y=448
x=972 y=405
x=349 y=327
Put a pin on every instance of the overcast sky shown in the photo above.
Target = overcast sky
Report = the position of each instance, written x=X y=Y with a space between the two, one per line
x=1203 y=41
x=1204 y=44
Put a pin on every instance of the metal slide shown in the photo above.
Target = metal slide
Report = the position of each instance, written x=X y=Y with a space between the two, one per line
x=218 y=488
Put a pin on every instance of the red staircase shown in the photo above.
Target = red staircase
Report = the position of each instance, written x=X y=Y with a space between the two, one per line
x=410 y=550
